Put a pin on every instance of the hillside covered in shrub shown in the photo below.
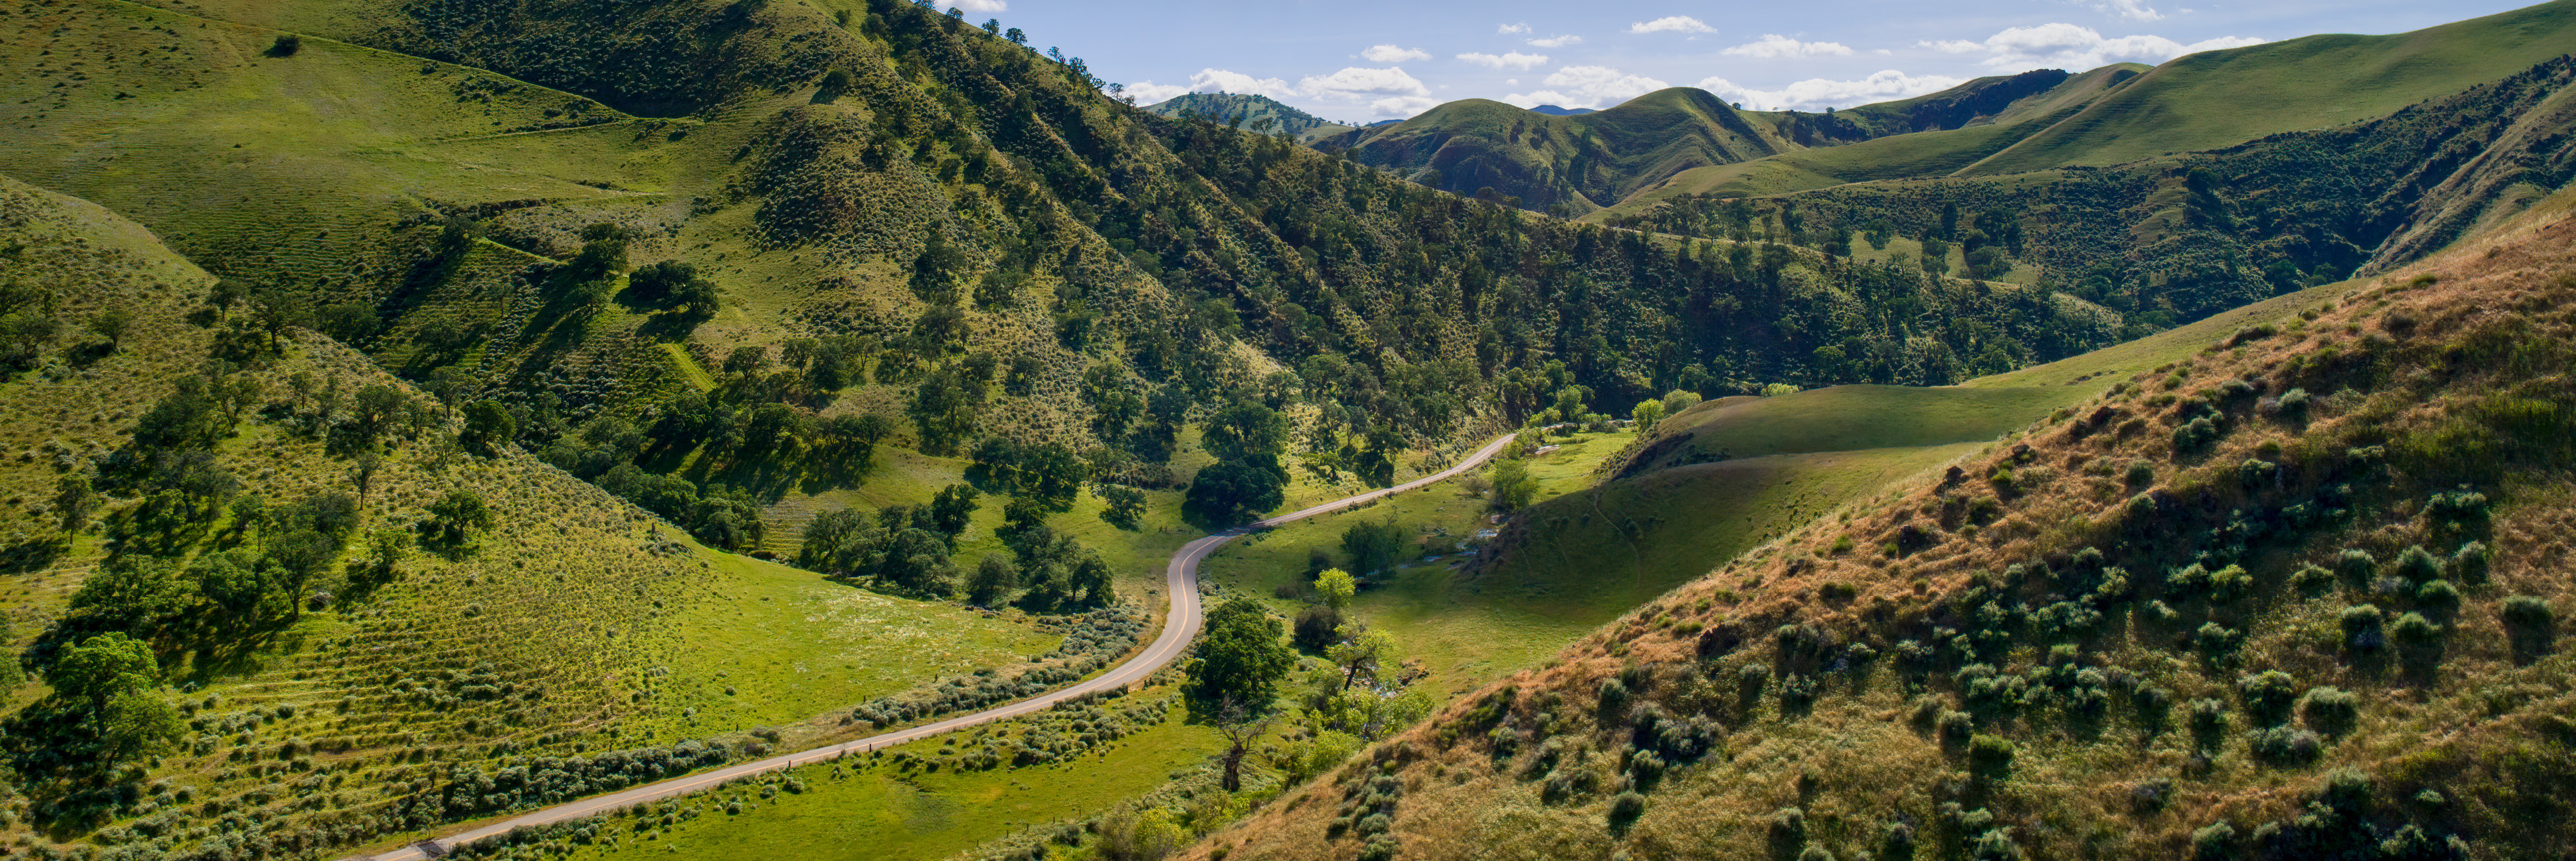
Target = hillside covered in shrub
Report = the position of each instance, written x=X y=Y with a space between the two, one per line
x=2294 y=596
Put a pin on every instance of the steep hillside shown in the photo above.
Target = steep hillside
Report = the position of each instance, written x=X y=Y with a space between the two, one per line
x=1930 y=136
x=2216 y=98
x=2291 y=595
x=2179 y=236
x=1679 y=136
x=1571 y=164
x=973 y=238
x=1249 y=111
x=278 y=527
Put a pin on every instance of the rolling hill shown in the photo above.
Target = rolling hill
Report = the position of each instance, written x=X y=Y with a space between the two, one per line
x=1249 y=111
x=1595 y=159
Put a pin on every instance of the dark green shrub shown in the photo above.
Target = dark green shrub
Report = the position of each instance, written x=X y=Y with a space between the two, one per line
x=2416 y=565
x=1956 y=727
x=1815 y=853
x=1788 y=825
x=1613 y=696
x=2414 y=629
x=2208 y=721
x=2528 y=612
x=2458 y=506
x=286 y=46
x=2216 y=842
x=2311 y=577
x=1624 y=812
x=2293 y=404
x=2196 y=434
x=2355 y=563
x=2437 y=595
x=1990 y=756
x=2256 y=472
x=2217 y=641
x=2229 y=583
x=2330 y=710
x=2469 y=563
x=2286 y=745
x=1896 y=842
x=1645 y=769
x=2268 y=695
x=2361 y=628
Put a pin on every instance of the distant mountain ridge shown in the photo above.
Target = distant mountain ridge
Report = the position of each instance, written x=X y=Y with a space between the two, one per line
x=1247 y=110
x=1576 y=161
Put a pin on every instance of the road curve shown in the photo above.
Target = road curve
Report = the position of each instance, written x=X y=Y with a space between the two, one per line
x=1181 y=579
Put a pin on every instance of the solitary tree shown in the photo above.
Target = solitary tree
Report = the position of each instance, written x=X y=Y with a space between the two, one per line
x=1336 y=587
x=1235 y=677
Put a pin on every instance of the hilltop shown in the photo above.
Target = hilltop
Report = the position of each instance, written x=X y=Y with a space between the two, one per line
x=1259 y=114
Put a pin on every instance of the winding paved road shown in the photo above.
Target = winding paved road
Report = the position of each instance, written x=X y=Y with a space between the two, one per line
x=1181 y=578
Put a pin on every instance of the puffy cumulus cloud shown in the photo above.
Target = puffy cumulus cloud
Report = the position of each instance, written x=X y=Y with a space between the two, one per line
x=2134 y=10
x=982 y=5
x=1403 y=106
x=1672 y=24
x=1356 y=82
x=1587 y=87
x=1513 y=60
x=1148 y=92
x=1556 y=41
x=1773 y=46
x=1511 y=29
x=1393 y=54
x=2078 y=48
x=1212 y=81
x=1353 y=84
x=1821 y=93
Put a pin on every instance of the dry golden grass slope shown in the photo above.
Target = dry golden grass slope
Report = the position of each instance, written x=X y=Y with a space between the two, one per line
x=2290 y=597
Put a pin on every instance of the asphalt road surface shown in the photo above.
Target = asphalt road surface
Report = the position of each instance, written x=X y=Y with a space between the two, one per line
x=1181 y=579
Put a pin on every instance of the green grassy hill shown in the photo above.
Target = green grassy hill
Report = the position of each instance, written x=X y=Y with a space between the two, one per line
x=1579 y=162
x=1248 y=111
x=1684 y=140
x=2200 y=101
x=1924 y=137
x=574 y=623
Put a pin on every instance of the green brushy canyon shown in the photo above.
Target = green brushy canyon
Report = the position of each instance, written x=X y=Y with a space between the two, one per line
x=417 y=412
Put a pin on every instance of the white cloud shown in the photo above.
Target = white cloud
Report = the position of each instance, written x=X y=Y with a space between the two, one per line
x=1672 y=24
x=2079 y=48
x=1556 y=41
x=1393 y=54
x=1509 y=29
x=1148 y=92
x=1355 y=83
x=1820 y=93
x=1212 y=81
x=1513 y=60
x=2134 y=10
x=1403 y=106
x=1389 y=91
x=1587 y=87
x=982 y=5
x=1773 y=46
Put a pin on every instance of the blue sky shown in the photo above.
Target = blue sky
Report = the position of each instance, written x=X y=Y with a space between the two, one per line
x=1368 y=61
